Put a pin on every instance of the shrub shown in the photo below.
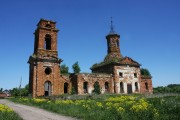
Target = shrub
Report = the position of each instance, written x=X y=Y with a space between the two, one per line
x=145 y=72
x=64 y=69
x=96 y=88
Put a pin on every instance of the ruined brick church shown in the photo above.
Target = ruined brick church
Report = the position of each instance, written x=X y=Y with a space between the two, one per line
x=116 y=74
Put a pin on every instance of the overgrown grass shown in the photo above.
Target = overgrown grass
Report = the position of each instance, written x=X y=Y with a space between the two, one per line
x=168 y=107
x=114 y=107
x=7 y=113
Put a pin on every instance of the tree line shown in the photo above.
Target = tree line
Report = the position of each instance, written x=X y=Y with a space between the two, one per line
x=171 y=88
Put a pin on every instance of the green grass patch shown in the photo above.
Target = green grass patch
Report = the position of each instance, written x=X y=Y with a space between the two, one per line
x=105 y=107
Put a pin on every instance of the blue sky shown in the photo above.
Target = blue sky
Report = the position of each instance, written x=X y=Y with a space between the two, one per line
x=149 y=29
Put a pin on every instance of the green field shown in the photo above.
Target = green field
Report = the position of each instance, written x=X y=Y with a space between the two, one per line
x=114 y=107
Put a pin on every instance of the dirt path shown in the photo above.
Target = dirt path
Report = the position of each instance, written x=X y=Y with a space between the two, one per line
x=33 y=113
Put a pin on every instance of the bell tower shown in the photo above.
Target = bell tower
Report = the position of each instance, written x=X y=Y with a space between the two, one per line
x=44 y=64
x=113 y=40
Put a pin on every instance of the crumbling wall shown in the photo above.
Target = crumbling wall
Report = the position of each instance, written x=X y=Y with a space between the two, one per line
x=90 y=79
x=146 y=85
x=126 y=75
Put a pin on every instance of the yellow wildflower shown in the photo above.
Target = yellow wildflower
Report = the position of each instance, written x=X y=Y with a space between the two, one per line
x=4 y=108
x=99 y=104
x=120 y=109
x=37 y=100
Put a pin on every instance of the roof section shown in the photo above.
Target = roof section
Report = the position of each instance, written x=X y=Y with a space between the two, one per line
x=117 y=62
x=46 y=21
x=129 y=61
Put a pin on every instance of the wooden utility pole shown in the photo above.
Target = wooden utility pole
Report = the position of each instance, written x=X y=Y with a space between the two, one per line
x=20 y=86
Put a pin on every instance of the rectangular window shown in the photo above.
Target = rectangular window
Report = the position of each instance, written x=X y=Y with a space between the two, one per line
x=120 y=74
x=135 y=75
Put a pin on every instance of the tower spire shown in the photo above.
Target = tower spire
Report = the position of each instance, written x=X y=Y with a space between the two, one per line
x=113 y=40
x=112 y=27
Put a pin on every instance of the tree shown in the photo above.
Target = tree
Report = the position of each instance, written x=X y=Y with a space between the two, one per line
x=1 y=90
x=96 y=88
x=76 y=67
x=64 y=69
x=24 y=91
x=15 y=92
x=145 y=72
x=171 y=88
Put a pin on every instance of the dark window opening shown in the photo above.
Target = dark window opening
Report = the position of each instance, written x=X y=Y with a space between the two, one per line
x=48 y=71
x=135 y=75
x=117 y=44
x=48 y=26
x=120 y=74
x=121 y=87
x=136 y=86
x=146 y=85
x=65 y=87
x=85 y=87
x=47 y=44
x=47 y=88
x=106 y=87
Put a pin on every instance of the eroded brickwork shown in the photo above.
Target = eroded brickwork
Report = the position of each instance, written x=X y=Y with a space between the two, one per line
x=116 y=74
x=85 y=83
x=45 y=77
x=146 y=85
x=127 y=75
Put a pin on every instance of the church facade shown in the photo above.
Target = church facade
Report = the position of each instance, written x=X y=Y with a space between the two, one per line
x=115 y=74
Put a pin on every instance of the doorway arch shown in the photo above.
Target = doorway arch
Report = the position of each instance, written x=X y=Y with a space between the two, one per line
x=129 y=88
x=146 y=85
x=121 y=87
x=65 y=87
x=106 y=87
x=47 y=88
x=85 y=87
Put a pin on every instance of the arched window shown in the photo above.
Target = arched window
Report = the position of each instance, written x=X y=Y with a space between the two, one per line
x=47 y=88
x=121 y=87
x=65 y=87
x=85 y=87
x=47 y=42
x=136 y=86
x=117 y=44
x=146 y=85
x=106 y=87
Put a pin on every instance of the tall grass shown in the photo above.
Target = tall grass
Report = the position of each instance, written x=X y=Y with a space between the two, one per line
x=114 y=107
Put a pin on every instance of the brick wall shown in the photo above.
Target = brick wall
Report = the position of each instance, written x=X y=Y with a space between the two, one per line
x=79 y=79
x=146 y=85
